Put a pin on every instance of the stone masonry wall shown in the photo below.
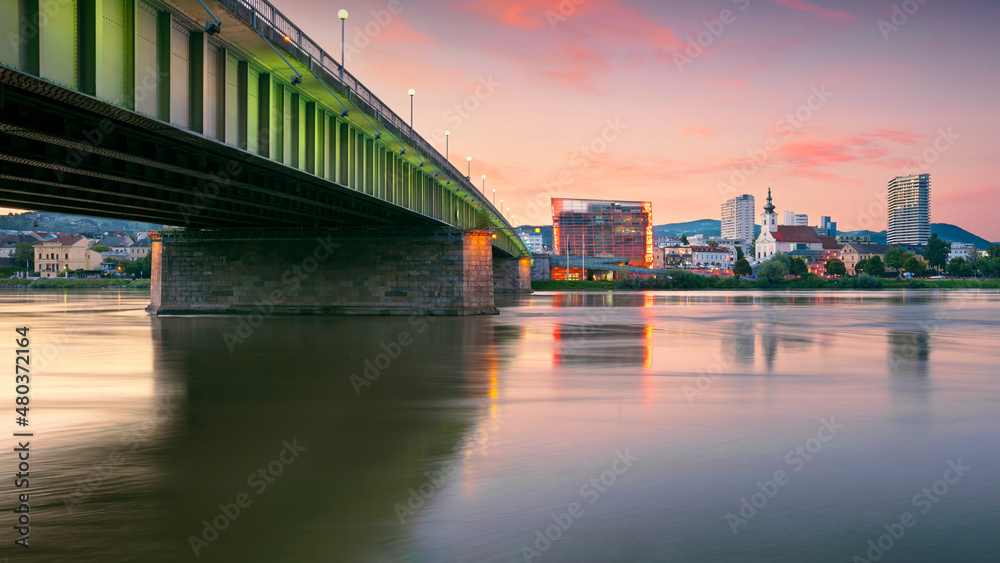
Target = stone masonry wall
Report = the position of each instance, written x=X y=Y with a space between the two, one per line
x=434 y=274
x=541 y=267
x=511 y=275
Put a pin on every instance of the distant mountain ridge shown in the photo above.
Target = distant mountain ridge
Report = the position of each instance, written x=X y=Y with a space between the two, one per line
x=713 y=228
x=944 y=230
x=707 y=227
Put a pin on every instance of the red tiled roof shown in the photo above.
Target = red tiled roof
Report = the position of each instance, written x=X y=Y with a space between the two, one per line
x=795 y=234
x=68 y=240
x=830 y=243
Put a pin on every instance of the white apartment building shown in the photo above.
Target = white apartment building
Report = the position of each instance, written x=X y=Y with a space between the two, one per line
x=738 y=219
x=909 y=210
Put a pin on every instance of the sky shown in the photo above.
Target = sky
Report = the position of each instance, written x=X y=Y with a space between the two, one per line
x=688 y=103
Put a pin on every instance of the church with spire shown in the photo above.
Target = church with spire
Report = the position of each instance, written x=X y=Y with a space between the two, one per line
x=775 y=238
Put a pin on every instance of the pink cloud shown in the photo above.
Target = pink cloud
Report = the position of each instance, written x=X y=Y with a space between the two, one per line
x=523 y=14
x=702 y=132
x=583 y=41
x=806 y=6
x=401 y=32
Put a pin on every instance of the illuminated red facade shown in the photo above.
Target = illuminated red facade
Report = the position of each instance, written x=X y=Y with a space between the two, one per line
x=620 y=229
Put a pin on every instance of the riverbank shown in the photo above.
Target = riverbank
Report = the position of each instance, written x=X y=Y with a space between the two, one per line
x=687 y=283
x=50 y=283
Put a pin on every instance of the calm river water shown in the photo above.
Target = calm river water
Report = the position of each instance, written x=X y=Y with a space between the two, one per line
x=572 y=427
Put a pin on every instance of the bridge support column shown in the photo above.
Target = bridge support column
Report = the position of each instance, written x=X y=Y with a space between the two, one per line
x=511 y=275
x=365 y=272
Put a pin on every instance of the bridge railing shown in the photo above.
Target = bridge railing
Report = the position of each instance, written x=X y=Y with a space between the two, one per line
x=271 y=16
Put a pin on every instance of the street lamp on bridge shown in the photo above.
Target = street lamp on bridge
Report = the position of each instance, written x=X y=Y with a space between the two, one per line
x=447 y=138
x=412 y=93
x=469 y=175
x=343 y=26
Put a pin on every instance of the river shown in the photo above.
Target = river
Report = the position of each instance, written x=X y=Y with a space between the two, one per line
x=687 y=427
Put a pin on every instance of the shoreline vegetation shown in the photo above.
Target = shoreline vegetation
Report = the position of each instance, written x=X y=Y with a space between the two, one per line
x=684 y=281
x=54 y=283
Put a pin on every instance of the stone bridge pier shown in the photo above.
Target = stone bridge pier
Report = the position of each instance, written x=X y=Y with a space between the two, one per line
x=360 y=271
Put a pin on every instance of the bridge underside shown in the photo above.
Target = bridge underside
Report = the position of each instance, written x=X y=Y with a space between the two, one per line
x=65 y=152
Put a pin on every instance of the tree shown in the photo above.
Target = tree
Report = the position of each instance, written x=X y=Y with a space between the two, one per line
x=874 y=267
x=772 y=272
x=896 y=259
x=937 y=251
x=958 y=268
x=100 y=248
x=713 y=243
x=835 y=267
x=860 y=266
x=913 y=265
x=24 y=253
x=987 y=267
x=798 y=267
x=993 y=252
x=739 y=253
x=684 y=239
x=742 y=268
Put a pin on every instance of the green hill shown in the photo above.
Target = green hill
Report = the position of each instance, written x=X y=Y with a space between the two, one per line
x=943 y=230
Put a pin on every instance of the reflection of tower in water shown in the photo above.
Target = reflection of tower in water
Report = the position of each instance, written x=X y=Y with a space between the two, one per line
x=909 y=352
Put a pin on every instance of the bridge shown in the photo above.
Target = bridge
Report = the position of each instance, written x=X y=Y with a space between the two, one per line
x=287 y=174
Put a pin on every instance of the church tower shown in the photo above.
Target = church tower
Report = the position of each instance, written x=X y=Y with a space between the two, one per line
x=769 y=219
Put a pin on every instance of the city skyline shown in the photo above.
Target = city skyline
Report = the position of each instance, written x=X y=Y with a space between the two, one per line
x=522 y=86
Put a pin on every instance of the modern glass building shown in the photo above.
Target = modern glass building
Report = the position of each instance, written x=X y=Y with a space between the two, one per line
x=598 y=228
x=909 y=210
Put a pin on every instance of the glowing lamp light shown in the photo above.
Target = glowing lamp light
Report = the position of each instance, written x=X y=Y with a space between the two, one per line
x=287 y=38
x=342 y=14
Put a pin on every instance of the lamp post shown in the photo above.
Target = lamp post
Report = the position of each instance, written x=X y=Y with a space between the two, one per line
x=494 y=196
x=343 y=31
x=447 y=138
x=412 y=93
x=484 y=183
x=469 y=175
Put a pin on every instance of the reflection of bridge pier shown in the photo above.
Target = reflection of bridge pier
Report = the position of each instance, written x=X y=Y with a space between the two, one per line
x=442 y=271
